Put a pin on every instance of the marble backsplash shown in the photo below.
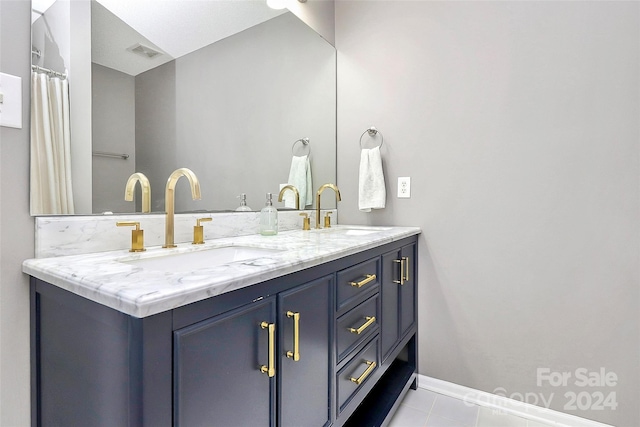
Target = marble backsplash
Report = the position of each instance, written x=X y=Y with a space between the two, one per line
x=75 y=235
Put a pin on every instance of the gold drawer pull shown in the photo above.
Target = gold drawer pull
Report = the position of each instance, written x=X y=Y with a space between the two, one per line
x=369 y=278
x=295 y=354
x=406 y=266
x=370 y=320
x=365 y=374
x=401 y=262
x=271 y=369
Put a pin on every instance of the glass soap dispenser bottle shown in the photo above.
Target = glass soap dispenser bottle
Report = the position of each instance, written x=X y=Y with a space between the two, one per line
x=269 y=218
x=243 y=204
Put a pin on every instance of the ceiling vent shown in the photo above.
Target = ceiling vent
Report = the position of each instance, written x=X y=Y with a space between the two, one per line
x=143 y=50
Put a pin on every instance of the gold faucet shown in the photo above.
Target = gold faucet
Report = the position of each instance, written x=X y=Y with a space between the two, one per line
x=320 y=190
x=145 y=186
x=306 y=221
x=137 y=235
x=169 y=201
x=295 y=192
x=198 y=231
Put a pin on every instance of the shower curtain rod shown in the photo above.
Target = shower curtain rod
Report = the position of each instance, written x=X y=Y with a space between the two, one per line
x=48 y=71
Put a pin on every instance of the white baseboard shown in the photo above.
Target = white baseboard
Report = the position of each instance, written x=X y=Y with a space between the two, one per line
x=505 y=404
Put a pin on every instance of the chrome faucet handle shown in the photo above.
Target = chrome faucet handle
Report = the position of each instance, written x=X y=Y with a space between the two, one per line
x=198 y=231
x=137 y=235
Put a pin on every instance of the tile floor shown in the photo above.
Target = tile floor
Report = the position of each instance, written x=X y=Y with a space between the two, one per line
x=424 y=408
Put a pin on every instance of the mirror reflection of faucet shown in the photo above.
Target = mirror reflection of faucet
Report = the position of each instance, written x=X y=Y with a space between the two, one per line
x=169 y=201
x=145 y=186
x=327 y=220
x=295 y=192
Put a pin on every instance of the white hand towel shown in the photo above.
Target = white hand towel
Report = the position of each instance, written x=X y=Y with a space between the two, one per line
x=299 y=177
x=372 y=193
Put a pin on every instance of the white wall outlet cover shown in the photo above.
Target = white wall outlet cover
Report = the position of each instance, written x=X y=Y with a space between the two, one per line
x=404 y=187
x=11 y=106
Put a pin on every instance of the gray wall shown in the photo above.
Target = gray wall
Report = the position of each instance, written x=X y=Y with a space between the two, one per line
x=318 y=14
x=518 y=124
x=16 y=226
x=238 y=105
x=113 y=131
x=80 y=103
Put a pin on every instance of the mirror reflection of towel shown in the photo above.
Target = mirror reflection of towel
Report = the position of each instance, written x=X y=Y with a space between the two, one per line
x=372 y=193
x=299 y=177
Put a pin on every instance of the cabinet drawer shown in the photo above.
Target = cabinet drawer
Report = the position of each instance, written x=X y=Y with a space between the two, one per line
x=356 y=326
x=355 y=281
x=356 y=373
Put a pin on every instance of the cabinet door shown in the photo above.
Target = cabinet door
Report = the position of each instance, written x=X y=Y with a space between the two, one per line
x=398 y=296
x=305 y=325
x=218 y=379
x=391 y=271
x=408 y=295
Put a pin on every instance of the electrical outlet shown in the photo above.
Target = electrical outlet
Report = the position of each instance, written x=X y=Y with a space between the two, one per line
x=404 y=187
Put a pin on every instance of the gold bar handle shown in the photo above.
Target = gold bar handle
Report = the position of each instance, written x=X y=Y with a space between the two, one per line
x=371 y=366
x=198 y=231
x=369 y=278
x=401 y=261
x=137 y=235
x=406 y=266
x=370 y=320
x=295 y=354
x=271 y=369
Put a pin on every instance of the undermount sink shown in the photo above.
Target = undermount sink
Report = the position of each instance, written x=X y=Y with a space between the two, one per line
x=190 y=261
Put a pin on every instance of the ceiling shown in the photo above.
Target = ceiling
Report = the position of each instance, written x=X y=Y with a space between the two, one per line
x=171 y=27
x=39 y=7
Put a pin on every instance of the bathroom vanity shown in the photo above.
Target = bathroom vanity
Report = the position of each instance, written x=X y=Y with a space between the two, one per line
x=307 y=328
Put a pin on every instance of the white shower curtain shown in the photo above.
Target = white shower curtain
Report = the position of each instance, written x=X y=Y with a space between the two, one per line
x=51 y=191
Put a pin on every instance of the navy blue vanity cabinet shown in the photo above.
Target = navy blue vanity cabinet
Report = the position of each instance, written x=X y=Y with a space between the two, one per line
x=224 y=368
x=94 y=366
x=263 y=364
x=331 y=345
x=388 y=373
x=399 y=297
x=305 y=360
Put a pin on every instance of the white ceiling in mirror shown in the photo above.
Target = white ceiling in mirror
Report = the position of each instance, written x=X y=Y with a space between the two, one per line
x=111 y=38
x=38 y=7
x=167 y=26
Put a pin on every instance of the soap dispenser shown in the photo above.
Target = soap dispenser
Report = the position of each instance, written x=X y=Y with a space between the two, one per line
x=269 y=218
x=243 y=204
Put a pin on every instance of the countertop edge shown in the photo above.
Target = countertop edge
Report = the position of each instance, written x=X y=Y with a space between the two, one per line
x=147 y=304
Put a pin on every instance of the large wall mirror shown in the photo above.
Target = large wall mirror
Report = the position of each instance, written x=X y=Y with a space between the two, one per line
x=221 y=87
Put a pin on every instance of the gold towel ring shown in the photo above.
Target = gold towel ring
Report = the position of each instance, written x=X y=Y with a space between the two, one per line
x=372 y=131
x=304 y=141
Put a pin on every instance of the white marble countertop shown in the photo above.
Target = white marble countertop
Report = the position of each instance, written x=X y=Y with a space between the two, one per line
x=107 y=278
